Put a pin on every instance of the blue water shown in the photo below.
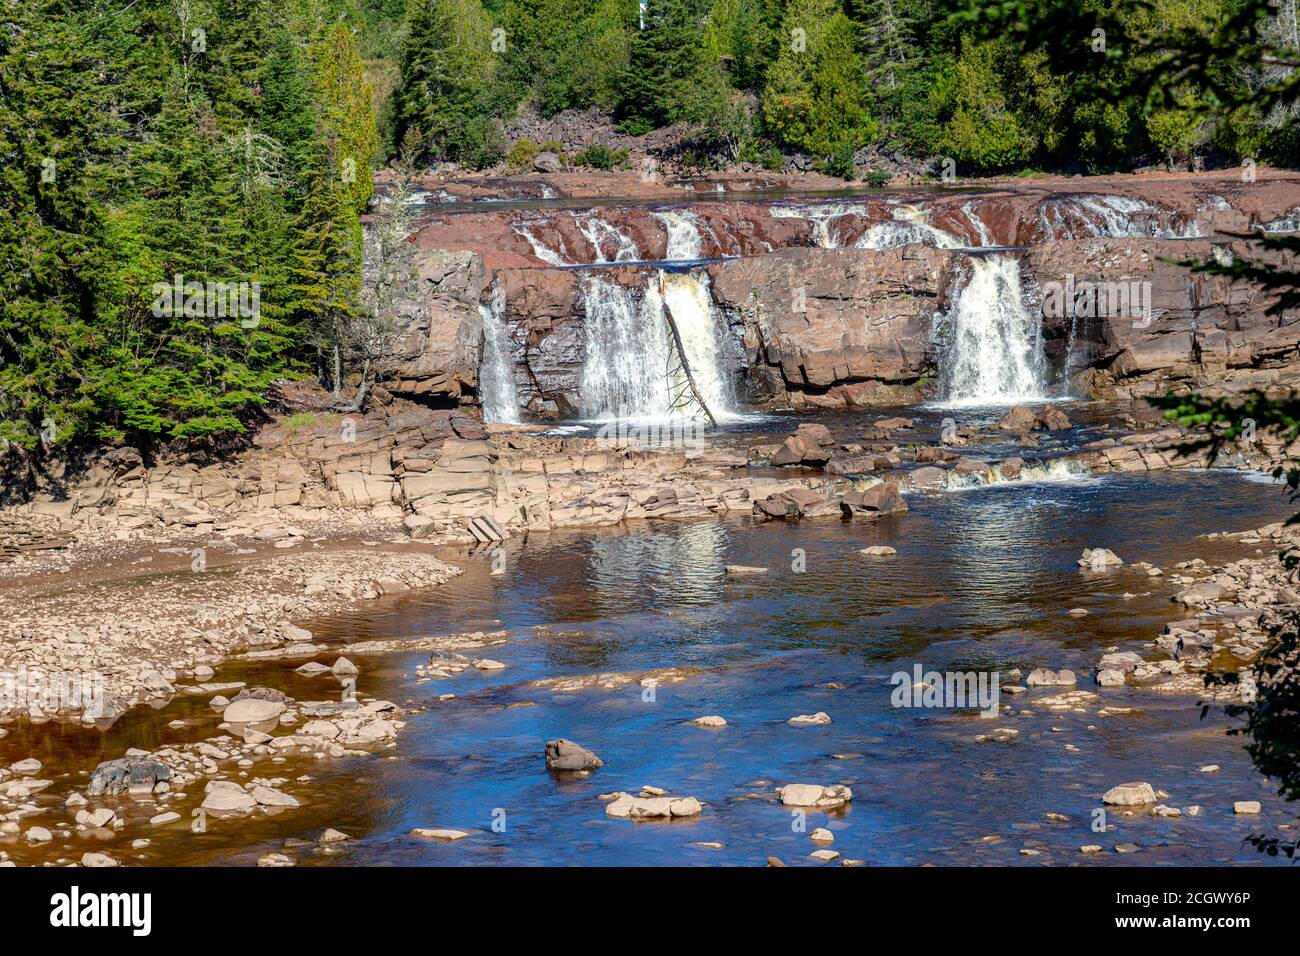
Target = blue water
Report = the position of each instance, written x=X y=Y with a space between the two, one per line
x=982 y=580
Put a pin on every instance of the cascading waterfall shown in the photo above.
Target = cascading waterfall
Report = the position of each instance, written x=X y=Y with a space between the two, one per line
x=497 y=388
x=995 y=352
x=629 y=370
x=683 y=236
x=540 y=250
x=908 y=227
x=820 y=216
x=1057 y=469
x=598 y=232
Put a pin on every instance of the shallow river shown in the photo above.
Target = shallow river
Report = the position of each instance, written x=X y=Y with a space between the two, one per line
x=982 y=580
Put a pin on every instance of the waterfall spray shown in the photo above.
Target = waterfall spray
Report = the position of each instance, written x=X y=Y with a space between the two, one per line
x=995 y=353
x=497 y=388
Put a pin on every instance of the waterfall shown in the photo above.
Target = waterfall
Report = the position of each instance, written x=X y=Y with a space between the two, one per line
x=1111 y=216
x=627 y=352
x=906 y=228
x=598 y=231
x=820 y=216
x=629 y=372
x=683 y=236
x=540 y=250
x=995 y=351
x=688 y=298
x=496 y=376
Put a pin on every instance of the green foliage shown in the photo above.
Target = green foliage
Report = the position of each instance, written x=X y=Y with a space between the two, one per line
x=448 y=70
x=816 y=98
x=668 y=61
x=600 y=156
x=151 y=146
x=521 y=154
x=566 y=53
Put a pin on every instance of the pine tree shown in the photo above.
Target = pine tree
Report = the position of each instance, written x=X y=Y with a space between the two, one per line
x=666 y=64
x=446 y=93
x=816 y=97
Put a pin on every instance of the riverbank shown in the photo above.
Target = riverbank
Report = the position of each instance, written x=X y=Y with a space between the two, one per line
x=330 y=637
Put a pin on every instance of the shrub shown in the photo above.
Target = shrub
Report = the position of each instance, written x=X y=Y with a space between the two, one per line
x=521 y=154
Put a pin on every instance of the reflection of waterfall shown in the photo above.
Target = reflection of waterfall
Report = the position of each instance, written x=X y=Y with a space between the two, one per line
x=496 y=373
x=995 y=349
x=686 y=566
x=629 y=370
x=683 y=236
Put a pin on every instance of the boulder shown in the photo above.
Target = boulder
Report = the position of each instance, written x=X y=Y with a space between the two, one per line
x=1042 y=677
x=814 y=795
x=127 y=773
x=547 y=163
x=801 y=450
x=225 y=796
x=1130 y=795
x=1017 y=419
x=1052 y=419
x=251 y=710
x=881 y=499
x=564 y=754
x=646 y=808
x=1099 y=559
x=794 y=504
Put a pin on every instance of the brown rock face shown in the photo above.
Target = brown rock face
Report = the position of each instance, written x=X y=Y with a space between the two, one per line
x=817 y=320
x=436 y=306
x=818 y=327
x=882 y=499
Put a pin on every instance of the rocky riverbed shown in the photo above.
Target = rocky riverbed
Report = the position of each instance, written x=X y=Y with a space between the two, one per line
x=348 y=652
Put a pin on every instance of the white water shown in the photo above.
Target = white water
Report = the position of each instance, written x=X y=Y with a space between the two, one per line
x=908 y=227
x=1285 y=224
x=1056 y=470
x=683 y=236
x=629 y=372
x=601 y=234
x=820 y=216
x=995 y=353
x=1110 y=216
x=555 y=258
x=496 y=374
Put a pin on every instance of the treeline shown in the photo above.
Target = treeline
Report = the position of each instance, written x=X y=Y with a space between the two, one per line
x=754 y=78
x=182 y=181
x=180 y=189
